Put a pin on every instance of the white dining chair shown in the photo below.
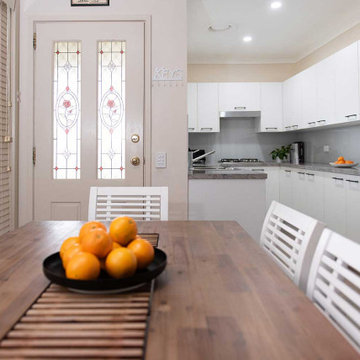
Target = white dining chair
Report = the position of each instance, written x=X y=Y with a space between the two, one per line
x=140 y=203
x=290 y=238
x=334 y=283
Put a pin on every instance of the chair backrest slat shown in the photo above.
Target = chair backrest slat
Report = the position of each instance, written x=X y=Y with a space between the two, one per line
x=334 y=283
x=290 y=238
x=141 y=203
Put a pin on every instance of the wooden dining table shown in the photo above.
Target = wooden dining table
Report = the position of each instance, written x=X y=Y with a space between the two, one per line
x=220 y=296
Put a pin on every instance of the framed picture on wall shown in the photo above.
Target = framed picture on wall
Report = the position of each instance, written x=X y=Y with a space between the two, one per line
x=90 y=2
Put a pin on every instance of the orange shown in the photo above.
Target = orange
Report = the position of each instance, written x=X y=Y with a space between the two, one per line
x=121 y=263
x=67 y=244
x=90 y=226
x=143 y=251
x=97 y=242
x=115 y=245
x=341 y=162
x=349 y=162
x=83 y=266
x=69 y=253
x=341 y=158
x=123 y=229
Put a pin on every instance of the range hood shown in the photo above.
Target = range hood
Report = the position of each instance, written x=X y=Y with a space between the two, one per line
x=239 y=114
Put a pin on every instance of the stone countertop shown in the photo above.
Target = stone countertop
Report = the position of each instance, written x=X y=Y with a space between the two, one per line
x=226 y=174
x=310 y=166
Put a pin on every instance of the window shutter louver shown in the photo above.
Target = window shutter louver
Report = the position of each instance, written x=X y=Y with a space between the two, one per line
x=5 y=175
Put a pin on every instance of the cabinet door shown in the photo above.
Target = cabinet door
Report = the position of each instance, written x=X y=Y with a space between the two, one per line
x=208 y=107
x=353 y=208
x=239 y=96
x=314 y=195
x=308 y=98
x=286 y=189
x=272 y=185
x=292 y=103
x=347 y=84
x=192 y=106
x=299 y=190
x=335 y=203
x=271 y=107
x=325 y=75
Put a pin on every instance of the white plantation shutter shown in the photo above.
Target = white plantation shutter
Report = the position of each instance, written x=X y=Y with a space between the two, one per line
x=5 y=174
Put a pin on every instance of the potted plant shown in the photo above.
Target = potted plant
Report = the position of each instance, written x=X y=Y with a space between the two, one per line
x=280 y=154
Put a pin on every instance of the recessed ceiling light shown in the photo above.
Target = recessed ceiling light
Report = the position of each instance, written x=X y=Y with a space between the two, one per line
x=247 y=38
x=276 y=4
x=219 y=27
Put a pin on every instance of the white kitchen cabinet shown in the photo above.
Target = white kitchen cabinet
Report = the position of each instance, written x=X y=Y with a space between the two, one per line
x=353 y=207
x=347 y=84
x=308 y=98
x=271 y=107
x=286 y=187
x=314 y=191
x=335 y=202
x=292 y=103
x=203 y=107
x=239 y=96
x=208 y=107
x=325 y=84
x=299 y=189
x=192 y=94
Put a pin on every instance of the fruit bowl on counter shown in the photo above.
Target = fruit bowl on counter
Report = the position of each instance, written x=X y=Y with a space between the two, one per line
x=342 y=163
x=105 y=261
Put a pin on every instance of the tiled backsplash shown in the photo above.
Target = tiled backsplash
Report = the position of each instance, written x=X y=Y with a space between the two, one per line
x=239 y=139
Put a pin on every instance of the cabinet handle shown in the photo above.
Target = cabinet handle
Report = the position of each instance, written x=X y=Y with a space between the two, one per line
x=301 y=173
x=351 y=115
x=240 y=108
x=295 y=126
x=336 y=178
x=353 y=181
x=310 y=174
x=288 y=171
x=209 y=128
x=312 y=122
x=257 y=169
x=321 y=121
x=271 y=128
x=191 y=128
x=287 y=127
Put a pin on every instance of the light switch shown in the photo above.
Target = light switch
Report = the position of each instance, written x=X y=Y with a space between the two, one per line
x=161 y=160
x=326 y=148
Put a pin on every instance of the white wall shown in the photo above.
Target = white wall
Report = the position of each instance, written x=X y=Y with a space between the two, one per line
x=168 y=29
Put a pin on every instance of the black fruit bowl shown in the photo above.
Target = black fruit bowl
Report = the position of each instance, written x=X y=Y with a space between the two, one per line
x=54 y=271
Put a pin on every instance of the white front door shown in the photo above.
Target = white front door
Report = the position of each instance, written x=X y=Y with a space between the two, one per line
x=89 y=113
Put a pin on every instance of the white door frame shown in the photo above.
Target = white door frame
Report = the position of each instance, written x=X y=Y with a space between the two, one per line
x=26 y=113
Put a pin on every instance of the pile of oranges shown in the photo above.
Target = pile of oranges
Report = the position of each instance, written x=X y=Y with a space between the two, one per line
x=341 y=160
x=119 y=251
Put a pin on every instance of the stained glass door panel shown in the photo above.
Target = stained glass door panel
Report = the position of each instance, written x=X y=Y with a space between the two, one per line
x=89 y=100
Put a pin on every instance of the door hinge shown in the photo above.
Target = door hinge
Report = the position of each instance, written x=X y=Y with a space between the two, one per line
x=34 y=41
x=34 y=155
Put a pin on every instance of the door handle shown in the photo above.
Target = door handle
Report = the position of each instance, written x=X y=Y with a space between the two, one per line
x=135 y=138
x=135 y=161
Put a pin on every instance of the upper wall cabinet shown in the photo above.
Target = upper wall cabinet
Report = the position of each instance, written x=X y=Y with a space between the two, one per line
x=203 y=107
x=325 y=92
x=239 y=96
x=192 y=98
x=308 y=98
x=347 y=84
x=292 y=103
x=271 y=107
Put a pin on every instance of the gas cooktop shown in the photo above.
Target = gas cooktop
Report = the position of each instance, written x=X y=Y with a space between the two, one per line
x=246 y=160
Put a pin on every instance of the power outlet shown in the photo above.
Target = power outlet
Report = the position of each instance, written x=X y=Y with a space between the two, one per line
x=326 y=148
x=161 y=160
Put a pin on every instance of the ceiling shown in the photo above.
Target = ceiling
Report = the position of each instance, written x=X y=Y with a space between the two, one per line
x=279 y=36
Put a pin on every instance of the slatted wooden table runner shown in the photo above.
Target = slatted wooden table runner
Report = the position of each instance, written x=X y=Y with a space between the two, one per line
x=62 y=324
